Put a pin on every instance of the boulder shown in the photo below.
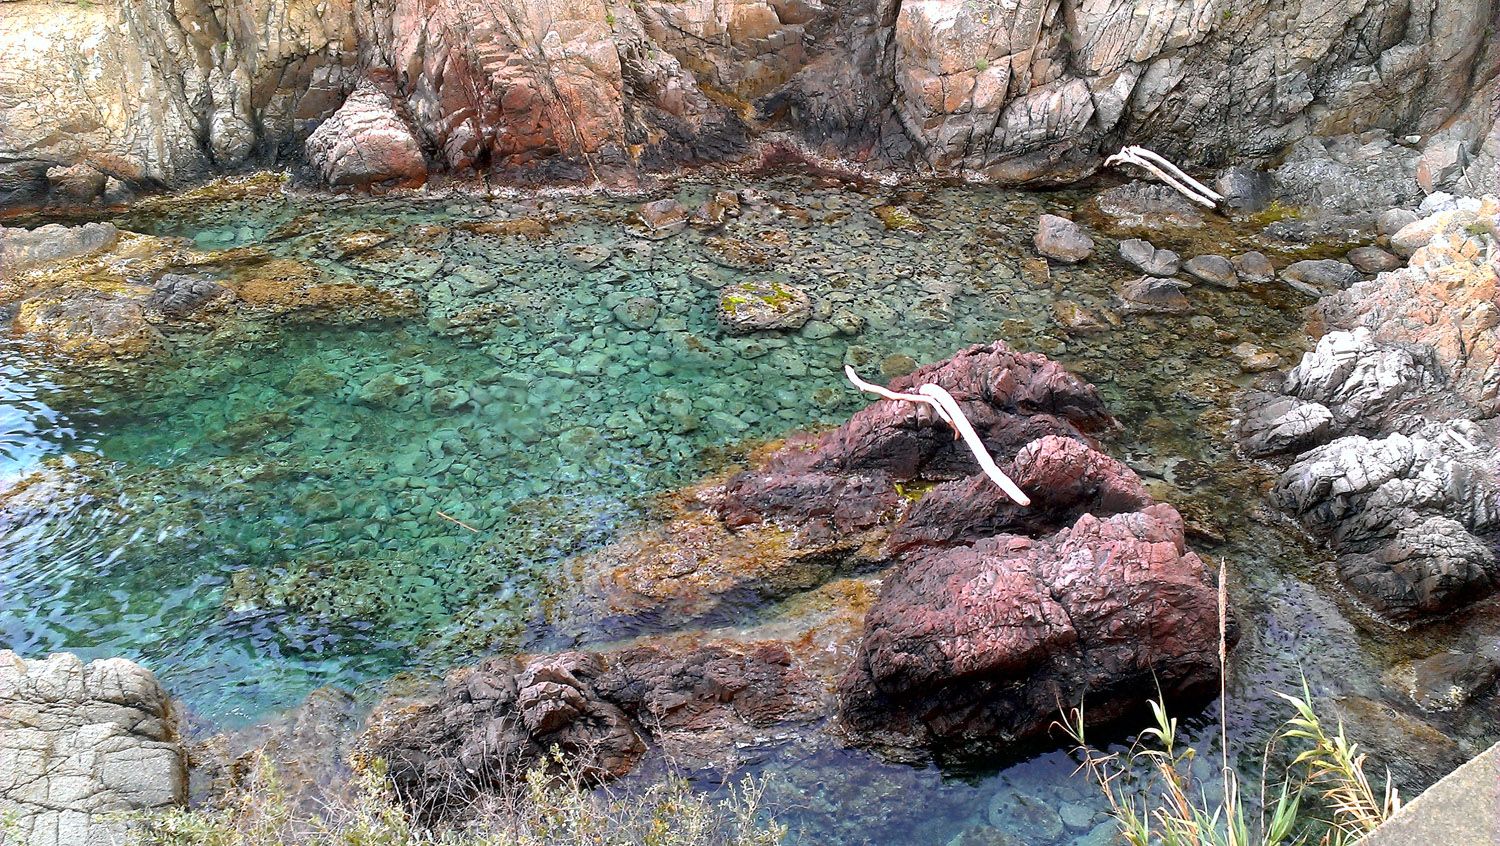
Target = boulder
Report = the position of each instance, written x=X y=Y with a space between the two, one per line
x=1324 y=275
x=1406 y=514
x=366 y=142
x=1273 y=424
x=80 y=183
x=1146 y=258
x=763 y=306
x=23 y=249
x=987 y=641
x=81 y=745
x=1061 y=239
x=1253 y=267
x=1215 y=270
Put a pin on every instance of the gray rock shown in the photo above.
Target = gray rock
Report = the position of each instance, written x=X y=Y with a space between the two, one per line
x=1151 y=293
x=178 y=295
x=637 y=313
x=23 y=249
x=1244 y=188
x=1391 y=220
x=1146 y=258
x=1322 y=274
x=1061 y=239
x=1215 y=270
x=1372 y=260
x=1253 y=267
x=763 y=306
x=1272 y=424
x=82 y=743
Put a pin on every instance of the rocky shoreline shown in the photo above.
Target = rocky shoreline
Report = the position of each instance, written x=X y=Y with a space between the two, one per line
x=105 y=99
x=964 y=621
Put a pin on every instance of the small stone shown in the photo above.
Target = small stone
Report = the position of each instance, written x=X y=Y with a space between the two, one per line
x=1075 y=319
x=1149 y=260
x=737 y=253
x=1372 y=260
x=899 y=219
x=1253 y=359
x=585 y=256
x=1253 y=267
x=637 y=313
x=1061 y=239
x=847 y=322
x=1215 y=270
x=897 y=365
x=662 y=218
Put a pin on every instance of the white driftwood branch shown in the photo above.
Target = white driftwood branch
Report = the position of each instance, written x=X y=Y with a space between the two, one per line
x=946 y=407
x=1168 y=173
x=892 y=395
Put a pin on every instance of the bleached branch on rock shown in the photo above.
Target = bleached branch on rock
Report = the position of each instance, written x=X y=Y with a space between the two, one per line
x=1168 y=173
x=946 y=407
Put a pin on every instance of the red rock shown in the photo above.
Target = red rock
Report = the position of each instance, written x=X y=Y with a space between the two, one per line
x=990 y=641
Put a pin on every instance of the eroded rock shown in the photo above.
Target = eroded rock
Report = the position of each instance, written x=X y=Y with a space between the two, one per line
x=80 y=744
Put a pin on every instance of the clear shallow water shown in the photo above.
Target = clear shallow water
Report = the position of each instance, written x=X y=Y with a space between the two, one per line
x=262 y=512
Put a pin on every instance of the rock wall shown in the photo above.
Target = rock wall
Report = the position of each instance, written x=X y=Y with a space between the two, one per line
x=80 y=743
x=150 y=92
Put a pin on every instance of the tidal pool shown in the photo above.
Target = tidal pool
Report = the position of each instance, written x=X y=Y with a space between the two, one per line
x=277 y=506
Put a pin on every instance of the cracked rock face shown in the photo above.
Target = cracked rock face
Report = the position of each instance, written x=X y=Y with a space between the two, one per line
x=1387 y=430
x=366 y=142
x=565 y=90
x=80 y=742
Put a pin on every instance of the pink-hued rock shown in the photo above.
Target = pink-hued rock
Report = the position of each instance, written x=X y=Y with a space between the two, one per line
x=367 y=142
x=490 y=724
x=990 y=641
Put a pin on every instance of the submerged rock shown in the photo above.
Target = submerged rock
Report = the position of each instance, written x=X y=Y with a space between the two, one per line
x=81 y=745
x=1151 y=293
x=1062 y=239
x=1215 y=270
x=763 y=306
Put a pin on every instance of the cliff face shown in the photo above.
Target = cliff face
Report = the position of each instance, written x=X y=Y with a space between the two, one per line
x=160 y=91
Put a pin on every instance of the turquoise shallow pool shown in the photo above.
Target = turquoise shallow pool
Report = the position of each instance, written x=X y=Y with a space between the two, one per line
x=279 y=505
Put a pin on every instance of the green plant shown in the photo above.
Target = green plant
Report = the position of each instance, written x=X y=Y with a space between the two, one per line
x=982 y=64
x=1156 y=801
x=557 y=805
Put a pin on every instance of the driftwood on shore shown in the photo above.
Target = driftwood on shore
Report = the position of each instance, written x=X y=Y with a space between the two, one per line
x=946 y=407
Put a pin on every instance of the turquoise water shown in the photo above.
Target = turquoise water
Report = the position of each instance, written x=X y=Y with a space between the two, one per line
x=275 y=505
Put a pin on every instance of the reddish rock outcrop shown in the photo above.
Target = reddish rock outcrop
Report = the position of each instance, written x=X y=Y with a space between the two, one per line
x=490 y=724
x=367 y=142
x=990 y=641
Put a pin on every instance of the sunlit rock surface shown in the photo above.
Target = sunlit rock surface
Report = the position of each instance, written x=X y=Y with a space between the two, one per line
x=80 y=745
x=1388 y=424
x=577 y=90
